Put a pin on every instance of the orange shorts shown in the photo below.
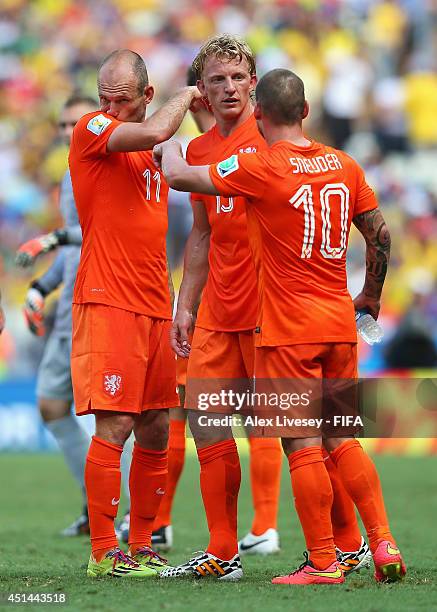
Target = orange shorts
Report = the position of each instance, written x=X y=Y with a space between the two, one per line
x=325 y=360
x=218 y=361
x=121 y=361
x=181 y=367
x=311 y=381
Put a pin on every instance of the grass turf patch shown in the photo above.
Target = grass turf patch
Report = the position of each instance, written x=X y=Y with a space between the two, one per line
x=40 y=498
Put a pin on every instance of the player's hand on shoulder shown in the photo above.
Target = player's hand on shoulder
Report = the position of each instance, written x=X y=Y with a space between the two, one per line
x=367 y=303
x=34 y=311
x=32 y=249
x=182 y=325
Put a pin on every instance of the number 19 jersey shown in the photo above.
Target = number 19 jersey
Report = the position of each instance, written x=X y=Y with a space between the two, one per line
x=300 y=205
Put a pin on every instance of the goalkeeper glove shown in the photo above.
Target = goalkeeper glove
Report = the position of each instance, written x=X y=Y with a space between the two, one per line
x=34 y=309
x=30 y=250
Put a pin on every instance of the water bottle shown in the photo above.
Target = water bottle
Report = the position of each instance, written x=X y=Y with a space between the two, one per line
x=369 y=329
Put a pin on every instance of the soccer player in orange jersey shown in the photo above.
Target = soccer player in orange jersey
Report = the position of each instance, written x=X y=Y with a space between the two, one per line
x=227 y=312
x=302 y=197
x=123 y=369
x=218 y=253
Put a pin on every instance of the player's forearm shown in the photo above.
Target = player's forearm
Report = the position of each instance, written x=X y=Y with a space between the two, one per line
x=175 y=168
x=182 y=176
x=154 y=130
x=166 y=121
x=73 y=235
x=378 y=242
x=53 y=277
x=68 y=235
x=196 y=269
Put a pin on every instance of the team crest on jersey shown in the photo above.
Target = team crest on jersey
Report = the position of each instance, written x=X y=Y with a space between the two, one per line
x=98 y=124
x=227 y=166
x=112 y=384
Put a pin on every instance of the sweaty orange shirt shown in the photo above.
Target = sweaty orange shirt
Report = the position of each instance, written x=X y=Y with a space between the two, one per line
x=121 y=200
x=229 y=299
x=300 y=202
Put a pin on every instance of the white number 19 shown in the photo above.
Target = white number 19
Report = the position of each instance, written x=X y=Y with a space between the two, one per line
x=304 y=196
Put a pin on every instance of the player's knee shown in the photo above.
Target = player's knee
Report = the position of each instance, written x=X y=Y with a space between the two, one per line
x=114 y=428
x=151 y=429
x=205 y=433
x=53 y=409
x=332 y=443
x=291 y=445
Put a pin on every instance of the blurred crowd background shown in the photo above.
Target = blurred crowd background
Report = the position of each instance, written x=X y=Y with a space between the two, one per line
x=370 y=72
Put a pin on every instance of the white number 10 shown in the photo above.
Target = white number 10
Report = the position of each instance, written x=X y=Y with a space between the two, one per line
x=304 y=196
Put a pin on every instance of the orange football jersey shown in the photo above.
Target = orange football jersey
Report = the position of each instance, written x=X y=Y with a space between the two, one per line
x=300 y=205
x=121 y=201
x=229 y=299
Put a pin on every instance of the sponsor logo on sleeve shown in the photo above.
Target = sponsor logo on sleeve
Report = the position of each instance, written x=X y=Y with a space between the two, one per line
x=228 y=166
x=98 y=124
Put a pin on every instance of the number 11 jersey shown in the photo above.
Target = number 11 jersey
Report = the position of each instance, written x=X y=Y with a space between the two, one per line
x=121 y=201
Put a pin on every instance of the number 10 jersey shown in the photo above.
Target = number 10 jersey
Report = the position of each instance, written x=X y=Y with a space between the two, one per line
x=300 y=205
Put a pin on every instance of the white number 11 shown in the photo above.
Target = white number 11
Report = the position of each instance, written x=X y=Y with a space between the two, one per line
x=156 y=177
x=304 y=196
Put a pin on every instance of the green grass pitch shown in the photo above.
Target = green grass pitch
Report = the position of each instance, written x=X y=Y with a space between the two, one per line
x=39 y=499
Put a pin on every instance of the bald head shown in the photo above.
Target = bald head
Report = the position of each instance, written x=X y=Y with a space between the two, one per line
x=281 y=96
x=123 y=84
x=122 y=64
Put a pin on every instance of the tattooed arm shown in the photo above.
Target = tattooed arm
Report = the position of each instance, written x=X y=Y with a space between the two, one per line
x=372 y=226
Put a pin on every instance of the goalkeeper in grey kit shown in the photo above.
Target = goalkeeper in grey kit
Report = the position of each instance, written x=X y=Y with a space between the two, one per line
x=54 y=388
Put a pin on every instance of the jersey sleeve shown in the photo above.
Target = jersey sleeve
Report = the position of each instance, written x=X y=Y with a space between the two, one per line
x=366 y=199
x=91 y=135
x=244 y=174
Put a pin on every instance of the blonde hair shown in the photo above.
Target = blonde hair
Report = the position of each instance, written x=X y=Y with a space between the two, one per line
x=226 y=47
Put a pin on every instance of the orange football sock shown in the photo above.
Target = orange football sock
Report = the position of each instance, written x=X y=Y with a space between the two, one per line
x=347 y=534
x=313 y=500
x=220 y=478
x=265 y=478
x=176 y=459
x=102 y=483
x=361 y=481
x=147 y=482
